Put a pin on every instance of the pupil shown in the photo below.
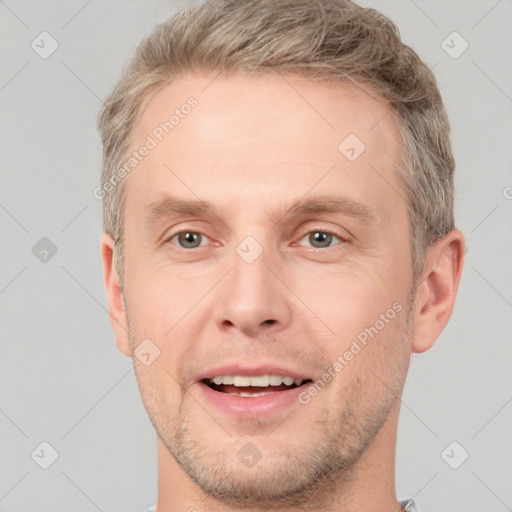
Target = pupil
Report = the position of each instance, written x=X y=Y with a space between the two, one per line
x=189 y=239
x=323 y=239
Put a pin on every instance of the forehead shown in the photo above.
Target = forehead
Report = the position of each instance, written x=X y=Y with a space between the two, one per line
x=273 y=104
x=264 y=131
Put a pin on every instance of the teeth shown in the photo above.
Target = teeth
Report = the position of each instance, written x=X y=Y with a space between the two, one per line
x=261 y=381
x=275 y=380
x=243 y=393
x=242 y=381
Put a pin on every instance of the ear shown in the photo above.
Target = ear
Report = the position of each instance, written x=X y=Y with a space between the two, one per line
x=116 y=305
x=435 y=295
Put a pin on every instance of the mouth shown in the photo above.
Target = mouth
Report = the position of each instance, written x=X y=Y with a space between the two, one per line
x=242 y=391
x=254 y=386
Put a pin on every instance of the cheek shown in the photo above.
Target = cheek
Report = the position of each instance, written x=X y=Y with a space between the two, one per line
x=371 y=361
x=348 y=300
x=367 y=315
x=160 y=393
x=165 y=308
x=159 y=299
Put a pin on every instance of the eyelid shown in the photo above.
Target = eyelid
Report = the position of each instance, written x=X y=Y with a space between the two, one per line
x=332 y=232
x=324 y=226
x=174 y=234
x=192 y=225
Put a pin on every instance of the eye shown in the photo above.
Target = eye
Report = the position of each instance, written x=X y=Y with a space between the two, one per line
x=321 y=239
x=188 y=239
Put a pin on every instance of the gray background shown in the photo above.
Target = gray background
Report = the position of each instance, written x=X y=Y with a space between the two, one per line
x=62 y=379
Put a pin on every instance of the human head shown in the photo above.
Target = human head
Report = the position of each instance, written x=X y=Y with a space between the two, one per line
x=316 y=39
x=257 y=144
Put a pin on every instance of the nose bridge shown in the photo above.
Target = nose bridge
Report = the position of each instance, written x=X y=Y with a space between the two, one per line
x=252 y=298
x=250 y=269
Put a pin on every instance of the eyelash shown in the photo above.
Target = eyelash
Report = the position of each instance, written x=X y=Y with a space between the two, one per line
x=325 y=232
x=305 y=234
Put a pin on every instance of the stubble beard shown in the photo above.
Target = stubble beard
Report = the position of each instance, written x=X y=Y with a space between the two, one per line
x=308 y=477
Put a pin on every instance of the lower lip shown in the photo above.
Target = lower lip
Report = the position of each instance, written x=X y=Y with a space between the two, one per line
x=248 y=407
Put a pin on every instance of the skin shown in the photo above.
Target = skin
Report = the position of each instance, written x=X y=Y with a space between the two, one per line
x=251 y=147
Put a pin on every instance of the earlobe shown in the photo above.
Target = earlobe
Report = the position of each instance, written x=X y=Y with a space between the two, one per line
x=435 y=296
x=115 y=297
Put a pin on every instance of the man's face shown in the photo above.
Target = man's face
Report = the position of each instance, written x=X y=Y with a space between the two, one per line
x=281 y=274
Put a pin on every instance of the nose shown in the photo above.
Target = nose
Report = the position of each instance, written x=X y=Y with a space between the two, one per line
x=252 y=299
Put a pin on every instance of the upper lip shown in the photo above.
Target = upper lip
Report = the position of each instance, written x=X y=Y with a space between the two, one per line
x=250 y=371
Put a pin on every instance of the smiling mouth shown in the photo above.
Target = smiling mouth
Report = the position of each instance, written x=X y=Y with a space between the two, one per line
x=231 y=386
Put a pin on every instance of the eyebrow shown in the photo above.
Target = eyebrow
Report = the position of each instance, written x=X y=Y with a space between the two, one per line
x=170 y=206
x=333 y=204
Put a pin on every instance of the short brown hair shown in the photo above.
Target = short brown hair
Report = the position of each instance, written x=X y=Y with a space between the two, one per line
x=318 y=40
